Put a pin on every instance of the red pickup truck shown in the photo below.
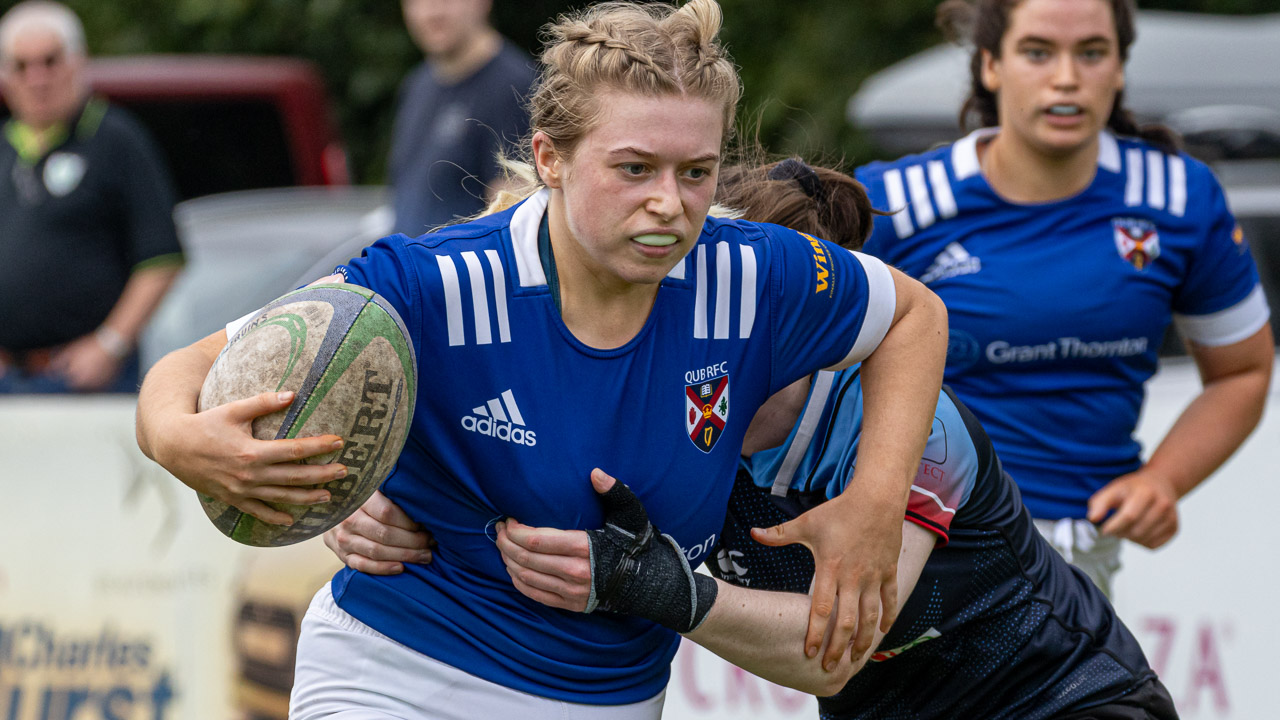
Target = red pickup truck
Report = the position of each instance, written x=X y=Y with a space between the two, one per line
x=230 y=122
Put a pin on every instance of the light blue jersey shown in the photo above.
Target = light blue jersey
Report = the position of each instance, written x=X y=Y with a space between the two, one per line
x=998 y=625
x=513 y=413
x=1057 y=310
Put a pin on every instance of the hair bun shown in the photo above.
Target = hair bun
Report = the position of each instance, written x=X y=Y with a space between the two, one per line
x=798 y=170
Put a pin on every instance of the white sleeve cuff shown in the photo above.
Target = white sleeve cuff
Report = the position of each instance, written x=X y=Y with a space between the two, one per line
x=234 y=326
x=1228 y=326
x=882 y=301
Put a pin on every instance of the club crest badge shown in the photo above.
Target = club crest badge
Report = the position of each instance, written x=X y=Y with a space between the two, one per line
x=706 y=411
x=1136 y=241
x=63 y=172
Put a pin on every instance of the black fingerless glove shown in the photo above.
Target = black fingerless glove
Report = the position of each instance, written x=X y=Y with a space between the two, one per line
x=637 y=571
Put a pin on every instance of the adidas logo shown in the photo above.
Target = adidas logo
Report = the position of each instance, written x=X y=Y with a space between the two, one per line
x=952 y=261
x=500 y=418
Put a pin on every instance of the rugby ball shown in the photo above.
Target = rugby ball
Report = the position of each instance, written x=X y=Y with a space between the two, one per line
x=346 y=354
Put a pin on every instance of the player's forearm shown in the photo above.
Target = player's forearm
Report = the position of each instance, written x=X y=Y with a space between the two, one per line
x=172 y=387
x=763 y=633
x=900 y=381
x=142 y=294
x=1211 y=428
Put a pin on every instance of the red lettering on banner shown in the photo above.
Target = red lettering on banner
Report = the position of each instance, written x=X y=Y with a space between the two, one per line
x=1206 y=673
x=741 y=686
x=786 y=699
x=1204 y=669
x=688 y=657
x=1165 y=629
x=745 y=695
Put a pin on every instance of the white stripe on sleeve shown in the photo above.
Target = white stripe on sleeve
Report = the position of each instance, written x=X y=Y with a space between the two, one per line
x=932 y=496
x=452 y=299
x=1177 y=185
x=882 y=300
x=1133 y=180
x=799 y=446
x=748 y=319
x=499 y=295
x=1228 y=326
x=896 y=195
x=724 y=284
x=479 y=298
x=942 y=189
x=920 y=197
x=1155 y=179
x=234 y=326
x=700 y=298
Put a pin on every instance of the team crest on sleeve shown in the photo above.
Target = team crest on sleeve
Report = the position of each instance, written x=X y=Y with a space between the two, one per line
x=706 y=409
x=1137 y=241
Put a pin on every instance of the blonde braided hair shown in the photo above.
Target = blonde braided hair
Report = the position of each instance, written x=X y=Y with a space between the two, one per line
x=652 y=49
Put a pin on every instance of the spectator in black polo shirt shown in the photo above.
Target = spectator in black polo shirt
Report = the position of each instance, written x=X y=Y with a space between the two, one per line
x=87 y=241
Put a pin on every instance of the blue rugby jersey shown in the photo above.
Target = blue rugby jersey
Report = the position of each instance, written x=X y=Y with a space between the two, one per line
x=1057 y=310
x=998 y=626
x=513 y=413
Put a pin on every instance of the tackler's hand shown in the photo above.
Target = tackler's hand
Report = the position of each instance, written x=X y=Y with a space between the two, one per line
x=855 y=582
x=378 y=538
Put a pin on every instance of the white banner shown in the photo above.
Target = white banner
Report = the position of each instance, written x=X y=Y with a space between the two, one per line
x=120 y=601
x=1203 y=606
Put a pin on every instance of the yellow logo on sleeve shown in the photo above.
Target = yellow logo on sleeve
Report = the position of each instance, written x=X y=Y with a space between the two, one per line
x=821 y=264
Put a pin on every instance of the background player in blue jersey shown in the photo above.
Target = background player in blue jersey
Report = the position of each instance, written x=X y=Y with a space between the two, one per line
x=995 y=624
x=1064 y=240
x=606 y=321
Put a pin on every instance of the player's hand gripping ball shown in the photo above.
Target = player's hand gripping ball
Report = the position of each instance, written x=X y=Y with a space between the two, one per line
x=346 y=354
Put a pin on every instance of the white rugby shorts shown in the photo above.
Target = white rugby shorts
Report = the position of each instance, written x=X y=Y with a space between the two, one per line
x=1078 y=542
x=346 y=670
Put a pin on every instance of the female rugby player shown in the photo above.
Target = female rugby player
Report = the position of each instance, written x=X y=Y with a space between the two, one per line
x=1064 y=240
x=611 y=323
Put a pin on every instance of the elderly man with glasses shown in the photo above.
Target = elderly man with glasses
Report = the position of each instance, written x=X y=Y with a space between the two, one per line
x=87 y=240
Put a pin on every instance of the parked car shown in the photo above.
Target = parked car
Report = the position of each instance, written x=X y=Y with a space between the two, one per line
x=1180 y=65
x=228 y=123
x=247 y=248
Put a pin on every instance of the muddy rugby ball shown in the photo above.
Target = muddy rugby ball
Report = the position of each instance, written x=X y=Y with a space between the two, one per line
x=346 y=353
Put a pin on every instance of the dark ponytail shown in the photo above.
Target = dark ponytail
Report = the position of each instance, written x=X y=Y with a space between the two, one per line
x=819 y=201
x=981 y=25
